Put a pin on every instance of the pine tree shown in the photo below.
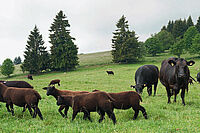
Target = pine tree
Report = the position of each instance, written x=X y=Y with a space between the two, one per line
x=170 y=26
x=17 y=60
x=126 y=48
x=198 y=24
x=34 y=53
x=189 y=22
x=179 y=28
x=63 y=50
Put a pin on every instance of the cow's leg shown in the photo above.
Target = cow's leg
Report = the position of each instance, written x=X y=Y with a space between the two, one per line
x=176 y=91
x=111 y=115
x=168 y=94
x=155 y=86
x=12 y=109
x=149 y=89
x=183 y=96
x=61 y=108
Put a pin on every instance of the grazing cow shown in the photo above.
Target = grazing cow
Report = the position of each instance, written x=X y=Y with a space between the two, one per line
x=198 y=77
x=98 y=101
x=21 y=97
x=146 y=75
x=18 y=84
x=55 y=81
x=174 y=75
x=110 y=72
x=128 y=99
x=51 y=90
x=30 y=77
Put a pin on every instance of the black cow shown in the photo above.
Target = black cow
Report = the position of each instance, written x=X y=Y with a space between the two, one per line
x=18 y=84
x=110 y=72
x=174 y=75
x=198 y=77
x=146 y=75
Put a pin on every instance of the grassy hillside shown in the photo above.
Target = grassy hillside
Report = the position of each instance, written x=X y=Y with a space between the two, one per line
x=162 y=117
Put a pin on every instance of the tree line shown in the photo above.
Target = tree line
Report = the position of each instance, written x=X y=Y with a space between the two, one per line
x=179 y=36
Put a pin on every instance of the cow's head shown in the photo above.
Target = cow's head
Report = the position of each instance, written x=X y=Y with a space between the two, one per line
x=139 y=87
x=181 y=67
x=50 y=90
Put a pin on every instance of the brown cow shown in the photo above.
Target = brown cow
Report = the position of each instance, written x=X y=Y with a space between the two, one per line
x=98 y=101
x=18 y=84
x=51 y=90
x=174 y=75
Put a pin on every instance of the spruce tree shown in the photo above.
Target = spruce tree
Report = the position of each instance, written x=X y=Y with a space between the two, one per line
x=34 y=53
x=179 y=28
x=63 y=50
x=189 y=22
x=126 y=48
x=198 y=24
x=170 y=26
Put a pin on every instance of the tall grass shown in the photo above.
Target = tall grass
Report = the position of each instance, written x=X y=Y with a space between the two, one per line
x=162 y=117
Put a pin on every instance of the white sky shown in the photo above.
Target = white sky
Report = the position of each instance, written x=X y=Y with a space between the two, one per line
x=92 y=22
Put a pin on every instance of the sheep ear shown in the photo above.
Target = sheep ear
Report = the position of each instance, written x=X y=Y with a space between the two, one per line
x=45 y=88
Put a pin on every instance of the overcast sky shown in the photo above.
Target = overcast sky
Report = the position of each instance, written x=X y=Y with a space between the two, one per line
x=92 y=21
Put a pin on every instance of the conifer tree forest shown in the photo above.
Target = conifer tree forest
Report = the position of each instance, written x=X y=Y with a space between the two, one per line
x=178 y=37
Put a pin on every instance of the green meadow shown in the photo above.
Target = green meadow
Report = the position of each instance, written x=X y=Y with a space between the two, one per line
x=90 y=75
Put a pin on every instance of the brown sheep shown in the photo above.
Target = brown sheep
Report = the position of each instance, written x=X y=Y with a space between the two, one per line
x=55 y=81
x=98 y=101
x=17 y=84
x=51 y=90
x=21 y=97
x=128 y=99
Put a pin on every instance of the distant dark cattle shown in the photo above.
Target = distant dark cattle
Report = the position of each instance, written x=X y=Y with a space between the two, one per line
x=55 y=81
x=198 y=77
x=98 y=101
x=146 y=75
x=21 y=97
x=110 y=72
x=51 y=90
x=30 y=77
x=128 y=99
x=174 y=75
x=18 y=84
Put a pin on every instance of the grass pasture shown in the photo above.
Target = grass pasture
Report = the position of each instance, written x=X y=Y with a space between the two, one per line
x=162 y=117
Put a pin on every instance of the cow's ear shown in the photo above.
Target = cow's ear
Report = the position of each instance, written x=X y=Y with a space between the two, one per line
x=190 y=63
x=144 y=85
x=132 y=86
x=45 y=88
x=172 y=62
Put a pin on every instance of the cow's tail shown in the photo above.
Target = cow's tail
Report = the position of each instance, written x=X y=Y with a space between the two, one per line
x=193 y=78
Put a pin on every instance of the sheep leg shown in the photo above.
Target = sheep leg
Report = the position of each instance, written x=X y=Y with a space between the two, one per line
x=102 y=114
x=30 y=110
x=60 y=110
x=111 y=116
x=39 y=113
x=136 y=113
x=12 y=109
x=7 y=106
x=74 y=115
x=143 y=112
